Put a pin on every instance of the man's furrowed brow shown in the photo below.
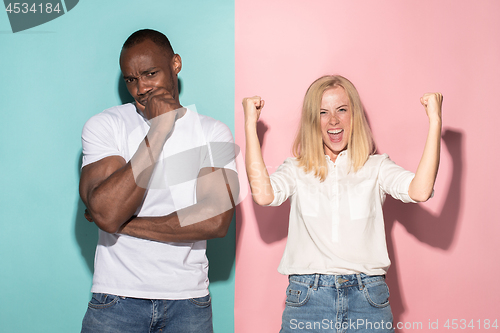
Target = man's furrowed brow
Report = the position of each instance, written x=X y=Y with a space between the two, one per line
x=149 y=70
x=144 y=72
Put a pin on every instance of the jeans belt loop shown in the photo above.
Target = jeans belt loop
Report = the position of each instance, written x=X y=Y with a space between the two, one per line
x=316 y=281
x=360 y=283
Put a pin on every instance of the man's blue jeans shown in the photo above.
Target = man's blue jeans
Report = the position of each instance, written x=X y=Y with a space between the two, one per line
x=115 y=314
x=337 y=303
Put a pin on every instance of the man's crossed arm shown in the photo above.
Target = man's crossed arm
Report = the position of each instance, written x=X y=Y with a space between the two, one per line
x=216 y=193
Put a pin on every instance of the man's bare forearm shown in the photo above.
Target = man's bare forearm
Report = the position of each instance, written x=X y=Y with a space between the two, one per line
x=115 y=199
x=168 y=229
x=112 y=190
x=209 y=218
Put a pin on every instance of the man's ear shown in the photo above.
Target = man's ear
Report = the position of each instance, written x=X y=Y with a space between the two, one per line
x=176 y=63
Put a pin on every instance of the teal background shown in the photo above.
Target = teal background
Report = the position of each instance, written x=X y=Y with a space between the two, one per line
x=54 y=77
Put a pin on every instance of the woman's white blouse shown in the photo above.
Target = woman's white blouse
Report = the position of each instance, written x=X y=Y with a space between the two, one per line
x=337 y=226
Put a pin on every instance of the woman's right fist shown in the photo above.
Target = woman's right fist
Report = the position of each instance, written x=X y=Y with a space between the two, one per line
x=252 y=106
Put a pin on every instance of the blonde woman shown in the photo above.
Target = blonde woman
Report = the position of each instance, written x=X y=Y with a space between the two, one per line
x=336 y=254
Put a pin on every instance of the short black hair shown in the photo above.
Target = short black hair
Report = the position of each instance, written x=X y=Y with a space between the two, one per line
x=148 y=34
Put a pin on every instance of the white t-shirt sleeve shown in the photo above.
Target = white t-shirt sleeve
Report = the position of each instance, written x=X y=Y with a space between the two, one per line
x=221 y=148
x=99 y=139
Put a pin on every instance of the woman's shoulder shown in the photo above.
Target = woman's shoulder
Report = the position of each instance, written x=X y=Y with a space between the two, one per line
x=290 y=162
x=378 y=157
x=289 y=165
x=379 y=161
x=376 y=160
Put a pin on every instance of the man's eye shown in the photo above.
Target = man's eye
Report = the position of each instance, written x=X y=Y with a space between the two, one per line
x=152 y=73
x=129 y=80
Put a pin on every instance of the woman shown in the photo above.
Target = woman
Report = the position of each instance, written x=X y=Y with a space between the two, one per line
x=336 y=254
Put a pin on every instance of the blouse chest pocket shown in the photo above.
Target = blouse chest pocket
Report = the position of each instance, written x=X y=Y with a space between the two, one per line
x=309 y=198
x=362 y=199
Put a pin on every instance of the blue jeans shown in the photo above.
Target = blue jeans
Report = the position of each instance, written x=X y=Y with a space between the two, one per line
x=115 y=314
x=337 y=303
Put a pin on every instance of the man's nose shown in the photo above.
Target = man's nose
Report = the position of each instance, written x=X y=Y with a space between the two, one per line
x=143 y=87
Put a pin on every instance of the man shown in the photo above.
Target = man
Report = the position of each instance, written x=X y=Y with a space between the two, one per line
x=158 y=180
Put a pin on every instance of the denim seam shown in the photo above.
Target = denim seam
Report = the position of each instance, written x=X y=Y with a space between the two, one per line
x=323 y=285
x=195 y=302
x=368 y=298
x=373 y=277
x=103 y=306
x=152 y=314
x=373 y=282
x=301 y=283
x=304 y=301
x=365 y=284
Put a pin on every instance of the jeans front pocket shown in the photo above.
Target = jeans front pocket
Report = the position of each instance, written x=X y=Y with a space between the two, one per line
x=377 y=294
x=201 y=301
x=297 y=294
x=102 y=301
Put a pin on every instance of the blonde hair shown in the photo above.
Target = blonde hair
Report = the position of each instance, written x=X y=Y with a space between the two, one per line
x=308 y=145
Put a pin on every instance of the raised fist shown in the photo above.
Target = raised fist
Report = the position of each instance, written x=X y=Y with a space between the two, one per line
x=252 y=106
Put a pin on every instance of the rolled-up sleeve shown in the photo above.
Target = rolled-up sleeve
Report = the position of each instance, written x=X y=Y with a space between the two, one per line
x=283 y=181
x=395 y=180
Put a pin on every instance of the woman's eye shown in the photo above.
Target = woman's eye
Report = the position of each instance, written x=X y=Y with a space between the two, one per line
x=342 y=110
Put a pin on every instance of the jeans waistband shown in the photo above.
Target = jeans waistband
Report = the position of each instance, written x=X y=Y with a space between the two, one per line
x=336 y=281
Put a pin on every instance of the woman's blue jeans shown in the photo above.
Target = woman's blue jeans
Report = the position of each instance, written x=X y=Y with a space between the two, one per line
x=337 y=303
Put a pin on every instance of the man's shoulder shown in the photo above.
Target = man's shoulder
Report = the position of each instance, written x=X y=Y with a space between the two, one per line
x=119 y=111
x=210 y=126
x=113 y=115
x=209 y=121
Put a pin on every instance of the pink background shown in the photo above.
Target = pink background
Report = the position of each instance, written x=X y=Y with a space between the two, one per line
x=445 y=252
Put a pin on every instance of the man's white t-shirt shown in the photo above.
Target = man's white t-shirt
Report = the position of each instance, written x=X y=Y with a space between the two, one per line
x=133 y=267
